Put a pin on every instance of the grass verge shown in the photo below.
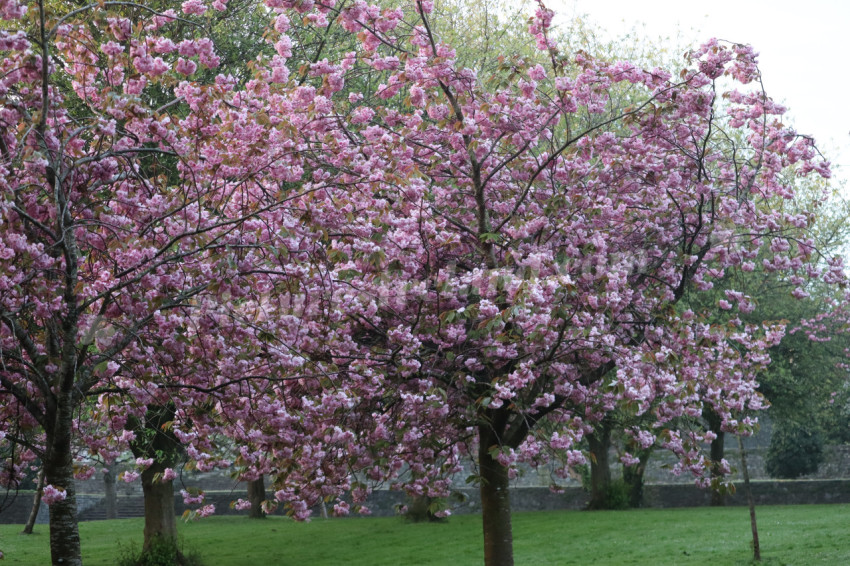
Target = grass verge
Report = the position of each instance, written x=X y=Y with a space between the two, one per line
x=790 y=535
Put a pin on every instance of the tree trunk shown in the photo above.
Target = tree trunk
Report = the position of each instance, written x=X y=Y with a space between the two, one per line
x=111 y=492
x=155 y=439
x=421 y=510
x=256 y=495
x=633 y=476
x=59 y=472
x=495 y=503
x=599 y=443
x=36 y=504
x=718 y=496
x=750 y=502
x=160 y=522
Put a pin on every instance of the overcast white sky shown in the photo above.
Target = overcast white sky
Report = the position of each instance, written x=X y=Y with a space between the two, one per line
x=804 y=50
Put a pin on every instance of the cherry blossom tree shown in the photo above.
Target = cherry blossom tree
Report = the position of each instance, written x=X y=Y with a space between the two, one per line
x=507 y=267
x=369 y=266
x=124 y=225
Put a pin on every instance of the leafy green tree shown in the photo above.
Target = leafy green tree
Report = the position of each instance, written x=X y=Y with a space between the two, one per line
x=795 y=450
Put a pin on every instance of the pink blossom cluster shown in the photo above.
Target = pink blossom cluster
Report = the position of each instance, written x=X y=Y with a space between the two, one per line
x=51 y=494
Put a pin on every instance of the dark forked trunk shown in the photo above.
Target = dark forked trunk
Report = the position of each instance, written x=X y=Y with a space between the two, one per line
x=155 y=439
x=160 y=520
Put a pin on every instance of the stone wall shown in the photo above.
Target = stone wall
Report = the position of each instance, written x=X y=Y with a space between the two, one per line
x=831 y=484
x=384 y=503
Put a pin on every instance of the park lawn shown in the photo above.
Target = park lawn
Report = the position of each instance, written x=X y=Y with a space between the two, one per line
x=790 y=535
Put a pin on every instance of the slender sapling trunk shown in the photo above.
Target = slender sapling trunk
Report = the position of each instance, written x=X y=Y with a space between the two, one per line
x=36 y=504
x=750 y=502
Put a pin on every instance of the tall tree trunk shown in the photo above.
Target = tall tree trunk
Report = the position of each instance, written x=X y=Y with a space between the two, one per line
x=160 y=521
x=599 y=443
x=256 y=495
x=111 y=492
x=750 y=501
x=155 y=439
x=495 y=503
x=36 y=504
x=59 y=472
x=718 y=497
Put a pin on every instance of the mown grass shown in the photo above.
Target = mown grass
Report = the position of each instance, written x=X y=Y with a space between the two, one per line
x=791 y=535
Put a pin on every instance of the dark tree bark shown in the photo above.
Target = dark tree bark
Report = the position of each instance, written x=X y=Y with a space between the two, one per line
x=36 y=504
x=154 y=439
x=633 y=476
x=256 y=495
x=421 y=510
x=718 y=497
x=495 y=502
x=111 y=493
x=160 y=520
x=59 y=472
x=599 y=444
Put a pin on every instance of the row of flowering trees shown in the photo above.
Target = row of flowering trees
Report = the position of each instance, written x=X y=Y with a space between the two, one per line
x=369 y=266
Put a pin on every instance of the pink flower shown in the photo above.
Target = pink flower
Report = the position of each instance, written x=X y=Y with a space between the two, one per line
x=84 y=473
x=168 y=474
x=192 y=499
x=629 y=460
x=186 y=67
x=194 y=7
x=280 y=74
x=799 y=293
x=281 y=24
x=438 y=111
x=362 y=115
x=129 y=477
x=112 y=48
x=284 y=46
x=51 y=494
x=537 y=73
x=163 y=45
x=206 y=510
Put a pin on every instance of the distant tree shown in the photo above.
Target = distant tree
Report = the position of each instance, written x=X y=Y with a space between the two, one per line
x=119 y=215
x=795 y=450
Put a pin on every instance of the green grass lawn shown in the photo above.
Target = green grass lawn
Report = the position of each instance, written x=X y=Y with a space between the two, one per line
x=791 y=535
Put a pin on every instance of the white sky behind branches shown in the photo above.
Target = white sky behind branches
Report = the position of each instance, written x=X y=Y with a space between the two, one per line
x=804 y=51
